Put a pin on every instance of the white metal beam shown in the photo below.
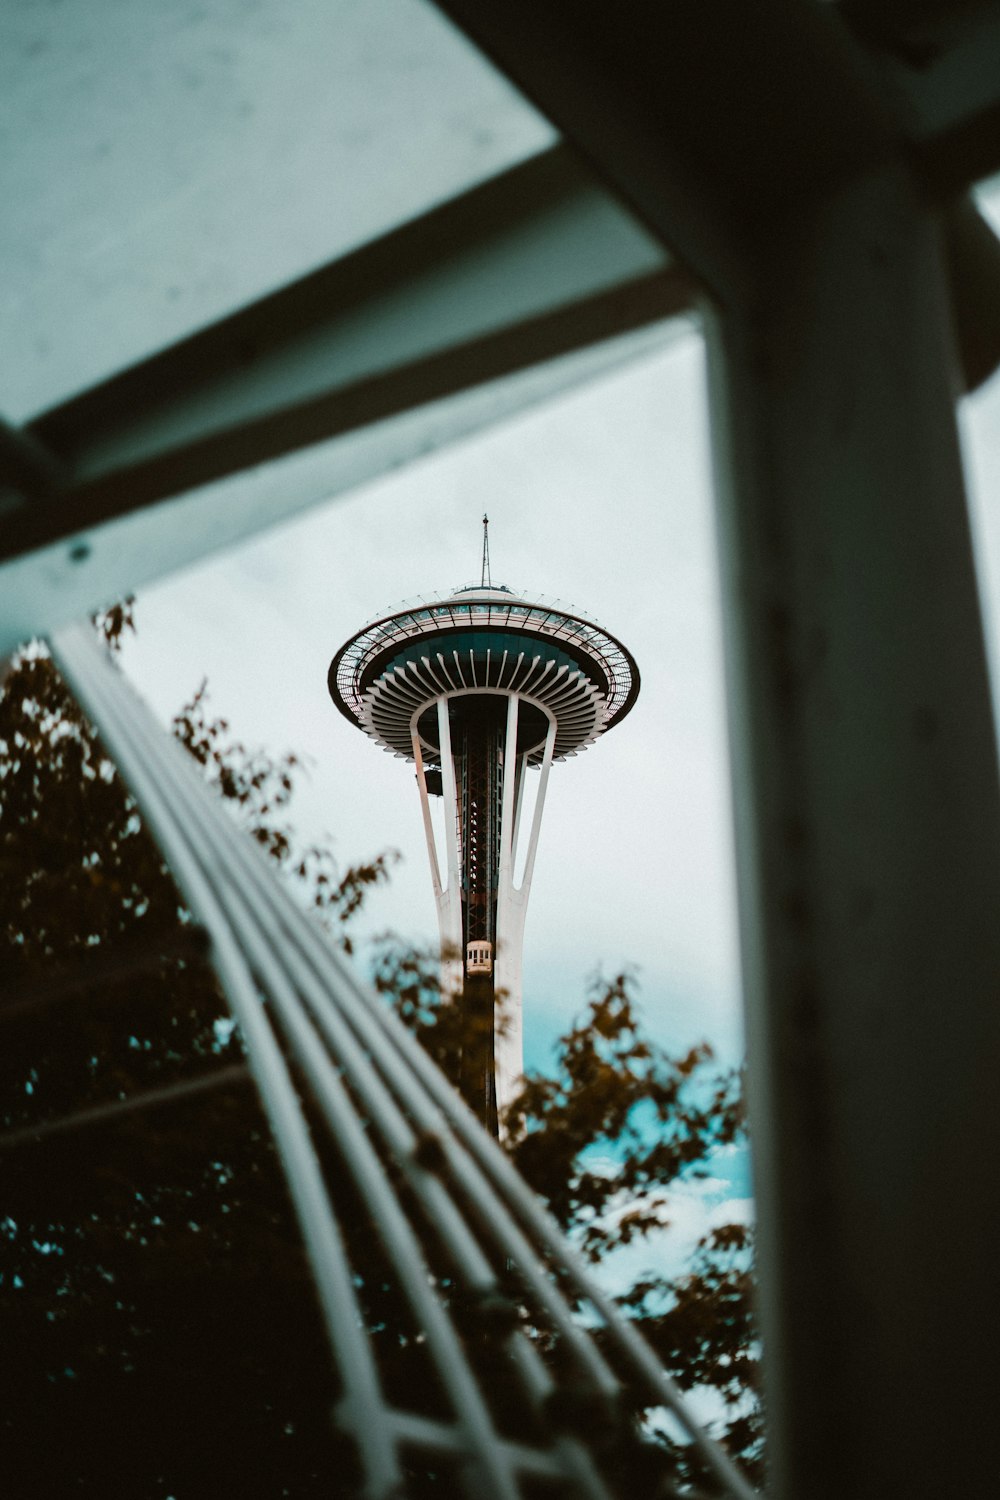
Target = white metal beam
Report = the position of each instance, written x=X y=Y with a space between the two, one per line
x=515 y=271
x=868 y=822
x=518 y=289
x=703 y=116
x=86 y=569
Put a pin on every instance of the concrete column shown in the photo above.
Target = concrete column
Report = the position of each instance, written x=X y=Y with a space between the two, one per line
x=868 y=834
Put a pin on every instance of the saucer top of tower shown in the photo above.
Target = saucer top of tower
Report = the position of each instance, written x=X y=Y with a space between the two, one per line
x=483 y=639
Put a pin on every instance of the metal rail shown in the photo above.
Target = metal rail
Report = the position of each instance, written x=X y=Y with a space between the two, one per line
x=388 y=1113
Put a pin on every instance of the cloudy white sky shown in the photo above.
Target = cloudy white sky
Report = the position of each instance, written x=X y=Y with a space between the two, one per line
x=602 y=499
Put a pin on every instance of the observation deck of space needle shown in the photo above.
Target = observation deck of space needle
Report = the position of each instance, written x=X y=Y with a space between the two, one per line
x=477 y=688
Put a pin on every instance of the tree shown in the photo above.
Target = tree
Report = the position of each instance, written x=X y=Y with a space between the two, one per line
x=152 y=1258
x=603 y=1139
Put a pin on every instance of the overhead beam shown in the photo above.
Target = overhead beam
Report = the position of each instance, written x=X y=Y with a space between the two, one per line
x=940 y=62
x=522 y=269
x=709 y=121
x=82 y=570
x=706 y=116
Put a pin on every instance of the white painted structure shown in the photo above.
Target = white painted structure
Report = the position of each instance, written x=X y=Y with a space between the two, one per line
x=477 y=688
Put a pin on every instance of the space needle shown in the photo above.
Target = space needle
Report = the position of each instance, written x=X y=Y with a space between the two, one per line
x=478 y=688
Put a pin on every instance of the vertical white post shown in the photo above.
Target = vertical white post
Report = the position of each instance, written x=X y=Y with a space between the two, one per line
x=450 y=790
x=522 y=766
x=506 y=873
x=536 y=821
x=425 y=809
x=868 y=834
x=508 y=1048
x=447 y=898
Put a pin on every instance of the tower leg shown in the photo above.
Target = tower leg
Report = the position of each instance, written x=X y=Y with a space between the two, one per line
x=511 y=909
x=489 y=817
x=447 y=897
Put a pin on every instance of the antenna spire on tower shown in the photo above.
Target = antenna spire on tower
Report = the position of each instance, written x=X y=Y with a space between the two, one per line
x=485 y=580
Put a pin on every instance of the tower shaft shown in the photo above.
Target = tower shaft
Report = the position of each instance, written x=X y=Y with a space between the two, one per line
x=478 y=750
x=480 y=907
x=478 y=747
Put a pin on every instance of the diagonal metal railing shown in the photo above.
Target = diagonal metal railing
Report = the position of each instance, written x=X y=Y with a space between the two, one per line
x=488 y=1279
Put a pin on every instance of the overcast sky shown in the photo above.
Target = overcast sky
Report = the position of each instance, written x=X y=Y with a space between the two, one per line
x=602 y=500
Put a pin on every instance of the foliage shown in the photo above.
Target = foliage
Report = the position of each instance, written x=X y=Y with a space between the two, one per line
x=702 y=1328
x=616 y=1087
x=604 y=1138
x=259 y=789
x=158 y=1309
x=458 y=1037
x=150 y=1264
